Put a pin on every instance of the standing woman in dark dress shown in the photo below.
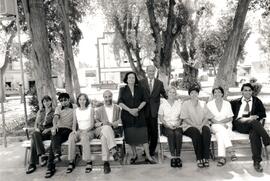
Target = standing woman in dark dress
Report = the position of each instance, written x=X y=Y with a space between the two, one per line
x=131 y=100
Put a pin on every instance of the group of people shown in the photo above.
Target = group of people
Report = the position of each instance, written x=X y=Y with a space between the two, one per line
x=198 y=119
x=138 y=109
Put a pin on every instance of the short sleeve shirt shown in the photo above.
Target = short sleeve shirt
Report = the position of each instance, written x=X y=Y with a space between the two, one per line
x=193 y=116
x=65 y=117
x=171 y=114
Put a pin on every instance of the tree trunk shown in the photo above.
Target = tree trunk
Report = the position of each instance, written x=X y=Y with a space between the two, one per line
x=5 y=65
x=63 y=10
x=68 y=80
x=225 y=69
x=190 y=76
x=35 y=16
x=164 y=40
x=164 y=75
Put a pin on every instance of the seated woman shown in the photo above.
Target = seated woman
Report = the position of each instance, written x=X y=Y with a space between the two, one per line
x=195 y=125
x=43 y=125
x=169 y=115
x=83 y=116
x=221 y=124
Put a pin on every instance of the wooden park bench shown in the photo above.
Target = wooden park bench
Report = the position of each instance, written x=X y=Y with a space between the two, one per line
x=95 y=142
x=235 y=136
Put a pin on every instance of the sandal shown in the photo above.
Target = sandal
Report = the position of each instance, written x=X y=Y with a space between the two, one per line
x=49 y=173
x=221 y=162
x=43 y=161
x=200 y=163
x=89 y=167
x=234 y=158
x=70 y=168
x=206 y=163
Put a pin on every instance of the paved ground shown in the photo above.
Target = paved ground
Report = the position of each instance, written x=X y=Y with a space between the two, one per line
x=12 y=168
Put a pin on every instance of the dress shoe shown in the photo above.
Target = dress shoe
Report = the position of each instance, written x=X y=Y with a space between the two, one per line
x=31 y=169
x=258 y=167
x=173 y=162
x=106 y=167
x=133 y=160
x=150 y=161
x=178 y=162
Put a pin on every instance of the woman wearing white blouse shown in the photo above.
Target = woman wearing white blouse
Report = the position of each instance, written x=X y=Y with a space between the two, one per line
x=169 y=115
x=221 y=124
x=84 y=120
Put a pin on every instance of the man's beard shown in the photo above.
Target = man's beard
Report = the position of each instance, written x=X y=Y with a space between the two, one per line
x=108 y=102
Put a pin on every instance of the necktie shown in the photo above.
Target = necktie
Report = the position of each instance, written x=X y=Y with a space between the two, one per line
x=151 y=85
x=246 y=110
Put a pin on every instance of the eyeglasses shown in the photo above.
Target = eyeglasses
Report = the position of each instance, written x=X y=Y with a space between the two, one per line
x=62 y=100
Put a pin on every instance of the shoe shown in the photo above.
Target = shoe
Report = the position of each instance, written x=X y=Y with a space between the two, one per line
x=234 y=158
x=257 y=166
x=173 y=162
x=150 y=161
x=89 y=167
x=178 y=162
x=116 y=156
x=50 y=173
x=106 y=168
x=44 y=159
x=70 y=168
x=57 y=157
x=31 y=169
x=206 y=163
x=221 y=162
x=133 y=160
x=200 y=163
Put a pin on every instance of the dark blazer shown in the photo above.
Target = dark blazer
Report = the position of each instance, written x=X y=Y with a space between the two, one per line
x=153 y=99
x=130 y=101
x=257 y=108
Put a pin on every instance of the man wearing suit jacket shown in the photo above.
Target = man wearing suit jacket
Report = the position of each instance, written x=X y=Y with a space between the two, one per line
x=107 y=120
x=248 y=111
x=153 y=89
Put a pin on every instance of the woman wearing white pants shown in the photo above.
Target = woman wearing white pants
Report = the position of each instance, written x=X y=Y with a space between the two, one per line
x=221 y=124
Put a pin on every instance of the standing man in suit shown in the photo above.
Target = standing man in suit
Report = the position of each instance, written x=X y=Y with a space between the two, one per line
x=248 y=111
x=107 y=120
x=153 y=89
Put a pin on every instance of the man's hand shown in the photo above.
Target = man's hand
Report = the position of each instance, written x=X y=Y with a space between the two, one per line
x=37 y=130
x=45 y=131
x=54 y=130
x=253 y=117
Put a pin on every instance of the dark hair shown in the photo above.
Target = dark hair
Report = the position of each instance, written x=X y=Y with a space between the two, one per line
x=63 y=95
x=192 y=88
x=126 y=77
x=45 y=98
x=218 y=88
x=86 y=97
x=247 y=85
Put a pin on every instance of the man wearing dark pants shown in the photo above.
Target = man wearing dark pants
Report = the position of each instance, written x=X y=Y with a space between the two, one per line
x=62 y=127
x=248 y=111
x=153 y=89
